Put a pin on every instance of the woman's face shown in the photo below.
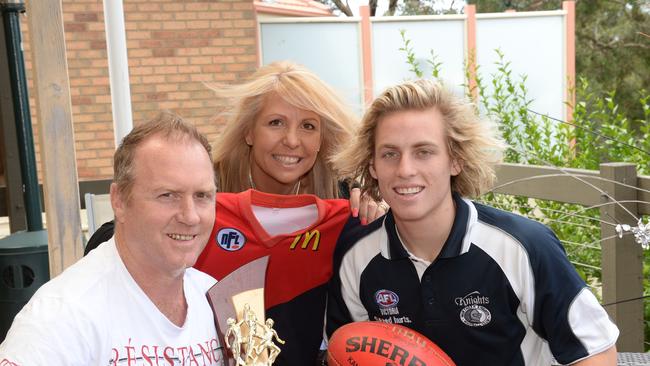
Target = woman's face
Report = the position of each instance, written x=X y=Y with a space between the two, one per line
x=284 y=144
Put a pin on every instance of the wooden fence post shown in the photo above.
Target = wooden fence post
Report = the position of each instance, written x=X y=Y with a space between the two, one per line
x=54 y=112
x=622 y=258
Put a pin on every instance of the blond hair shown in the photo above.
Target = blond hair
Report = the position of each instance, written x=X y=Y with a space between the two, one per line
x=165 y=124
x=470 y=141
x=298 y=87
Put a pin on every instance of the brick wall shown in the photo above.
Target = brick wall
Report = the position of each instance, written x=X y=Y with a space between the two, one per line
x=174 y=47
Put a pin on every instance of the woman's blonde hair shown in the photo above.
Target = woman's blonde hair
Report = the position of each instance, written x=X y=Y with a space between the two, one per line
x=472 y=142
x=300 y=88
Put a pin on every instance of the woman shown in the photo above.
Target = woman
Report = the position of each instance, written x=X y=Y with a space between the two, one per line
x=282 y=129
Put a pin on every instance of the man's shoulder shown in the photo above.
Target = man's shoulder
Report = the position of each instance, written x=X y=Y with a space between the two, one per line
x=524 y=230
x=353 y=233
x=535 y=243
x=85 y=278
x=64 y=312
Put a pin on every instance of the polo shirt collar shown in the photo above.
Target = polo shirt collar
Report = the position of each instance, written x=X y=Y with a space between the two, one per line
x=454 y=246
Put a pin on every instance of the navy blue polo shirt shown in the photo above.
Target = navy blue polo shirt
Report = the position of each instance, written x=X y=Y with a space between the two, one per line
x=501 y=291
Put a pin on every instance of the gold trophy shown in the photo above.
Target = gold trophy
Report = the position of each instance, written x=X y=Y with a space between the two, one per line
x=238 y=305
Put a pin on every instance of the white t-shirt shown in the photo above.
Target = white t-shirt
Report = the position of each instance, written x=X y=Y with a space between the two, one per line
x=94 y=313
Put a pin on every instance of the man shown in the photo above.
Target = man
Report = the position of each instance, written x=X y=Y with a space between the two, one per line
x=135 y=300
x=489 y=287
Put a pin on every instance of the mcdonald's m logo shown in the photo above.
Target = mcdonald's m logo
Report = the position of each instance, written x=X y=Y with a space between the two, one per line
x=307 y=237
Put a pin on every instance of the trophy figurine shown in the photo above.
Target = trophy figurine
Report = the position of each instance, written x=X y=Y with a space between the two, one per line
x=251 y=341
x=238 y=305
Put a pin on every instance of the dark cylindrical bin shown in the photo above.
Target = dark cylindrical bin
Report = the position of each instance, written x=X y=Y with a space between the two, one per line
x=24 y=267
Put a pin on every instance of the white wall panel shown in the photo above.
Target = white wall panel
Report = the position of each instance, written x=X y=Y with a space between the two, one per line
x=534 y=46
x=446 y=38
x=331 y=50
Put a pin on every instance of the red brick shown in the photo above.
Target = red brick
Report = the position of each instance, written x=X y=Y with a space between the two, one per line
x=97 y=27
x=221 y=24
x=140 y=53
x=187 y=15
x=179 y=96
x=149 y=7
x=152 y=61
x=197 y=42
x=232 y=15
x=74 y=27
x=153 y=79
x=189 y=69
x=163 y=35
x=139 y=35
x=150 y=44
x=81 y=100
x=161 y=16
x=245 y=5
x=177 y=78
x=104 y=99
x=98 y=45
x=104 y=172
x=234 y=33
x=149 y=25
x=131 y=16
x=85 y=17
x=203 y=7
x=235 y=67
x=165 y=70
x=173 y=43
x=156 y=96
x=97 y=162
x=201 y=60
x=209 y=15
x=168 y=87
x=176 y=61
x=244 y=23
x=199 y=24
x=212 y=68
x=86 y=154
x=175 y=7
x=163 y=52
x=210 y=51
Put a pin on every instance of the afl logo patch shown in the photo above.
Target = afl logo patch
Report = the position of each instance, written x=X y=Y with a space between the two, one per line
x=386 y=298
x=475 y=315
x=230 y=239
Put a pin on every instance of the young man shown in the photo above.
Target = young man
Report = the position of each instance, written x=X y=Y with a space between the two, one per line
x=134 y=300
x=489 y=287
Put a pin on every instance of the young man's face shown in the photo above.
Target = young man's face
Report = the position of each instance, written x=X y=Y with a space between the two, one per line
x=166 y=222
x=412 y=165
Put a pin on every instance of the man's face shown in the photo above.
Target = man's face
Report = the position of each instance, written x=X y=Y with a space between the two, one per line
x=412 y=164
x=167 y=220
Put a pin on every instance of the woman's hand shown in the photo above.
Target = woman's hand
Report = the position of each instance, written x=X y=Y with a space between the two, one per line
x=365 y=207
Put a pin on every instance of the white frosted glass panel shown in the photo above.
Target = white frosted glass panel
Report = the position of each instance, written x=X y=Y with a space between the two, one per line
x=534 y=46
x=444 y=37
x=331 y=50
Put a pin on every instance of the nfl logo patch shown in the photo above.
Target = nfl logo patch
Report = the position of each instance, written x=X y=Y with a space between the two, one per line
x=230 y=239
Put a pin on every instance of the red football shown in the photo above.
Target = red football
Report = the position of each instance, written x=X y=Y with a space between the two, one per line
x=378 y=343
